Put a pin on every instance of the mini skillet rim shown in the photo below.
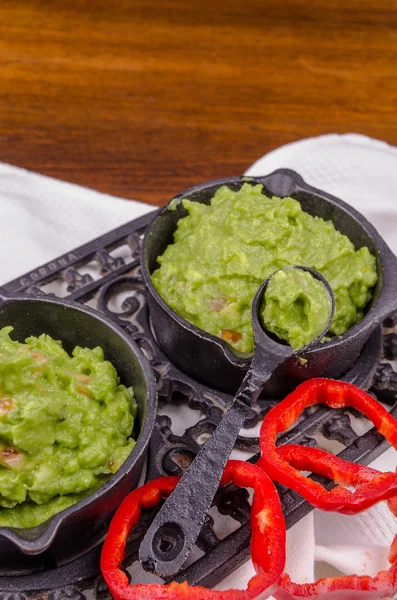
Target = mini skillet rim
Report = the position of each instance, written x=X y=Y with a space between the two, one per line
x=242 y=360
x=44 y=541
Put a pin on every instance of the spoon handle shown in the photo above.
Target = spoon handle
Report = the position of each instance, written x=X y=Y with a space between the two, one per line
x=176 y=527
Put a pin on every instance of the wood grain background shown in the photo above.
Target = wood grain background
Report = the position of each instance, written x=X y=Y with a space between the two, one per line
x=142 y=99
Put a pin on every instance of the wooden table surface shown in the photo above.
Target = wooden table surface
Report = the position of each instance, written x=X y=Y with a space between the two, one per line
x=144 y=98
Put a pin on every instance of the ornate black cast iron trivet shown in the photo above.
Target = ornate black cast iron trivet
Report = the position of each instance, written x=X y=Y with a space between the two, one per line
x=105 y=274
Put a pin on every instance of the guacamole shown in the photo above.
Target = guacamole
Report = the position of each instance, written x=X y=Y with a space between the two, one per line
x=296 y=307
x=223 y=251
x=65 y=426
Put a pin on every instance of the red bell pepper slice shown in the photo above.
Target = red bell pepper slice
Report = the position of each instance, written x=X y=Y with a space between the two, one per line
x=339 y=470
x=348 y=587
x=335 y=394
x=342 y=472
x=267 y=541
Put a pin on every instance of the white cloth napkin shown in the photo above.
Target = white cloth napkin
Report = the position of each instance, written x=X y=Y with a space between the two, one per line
x=41 y=218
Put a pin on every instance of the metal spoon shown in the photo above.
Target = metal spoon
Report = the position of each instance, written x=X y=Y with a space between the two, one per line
x=177 y=525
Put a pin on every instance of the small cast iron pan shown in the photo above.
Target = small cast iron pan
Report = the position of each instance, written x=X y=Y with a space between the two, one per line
x=82 y=526
x=213 y=361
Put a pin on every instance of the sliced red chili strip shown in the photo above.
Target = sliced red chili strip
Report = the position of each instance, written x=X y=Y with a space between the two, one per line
x=348 y=587
x=267 y=542
x=335 y=394
x=316 y=460
x=340 y=471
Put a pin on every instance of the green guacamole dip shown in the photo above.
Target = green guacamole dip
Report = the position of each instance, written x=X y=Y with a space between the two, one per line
x=296 y=307
x=65 y=426
x=223 y=251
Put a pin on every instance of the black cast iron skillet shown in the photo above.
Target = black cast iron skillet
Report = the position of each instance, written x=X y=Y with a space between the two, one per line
x=212 y=360
x=80 y=527
x=180 y=520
